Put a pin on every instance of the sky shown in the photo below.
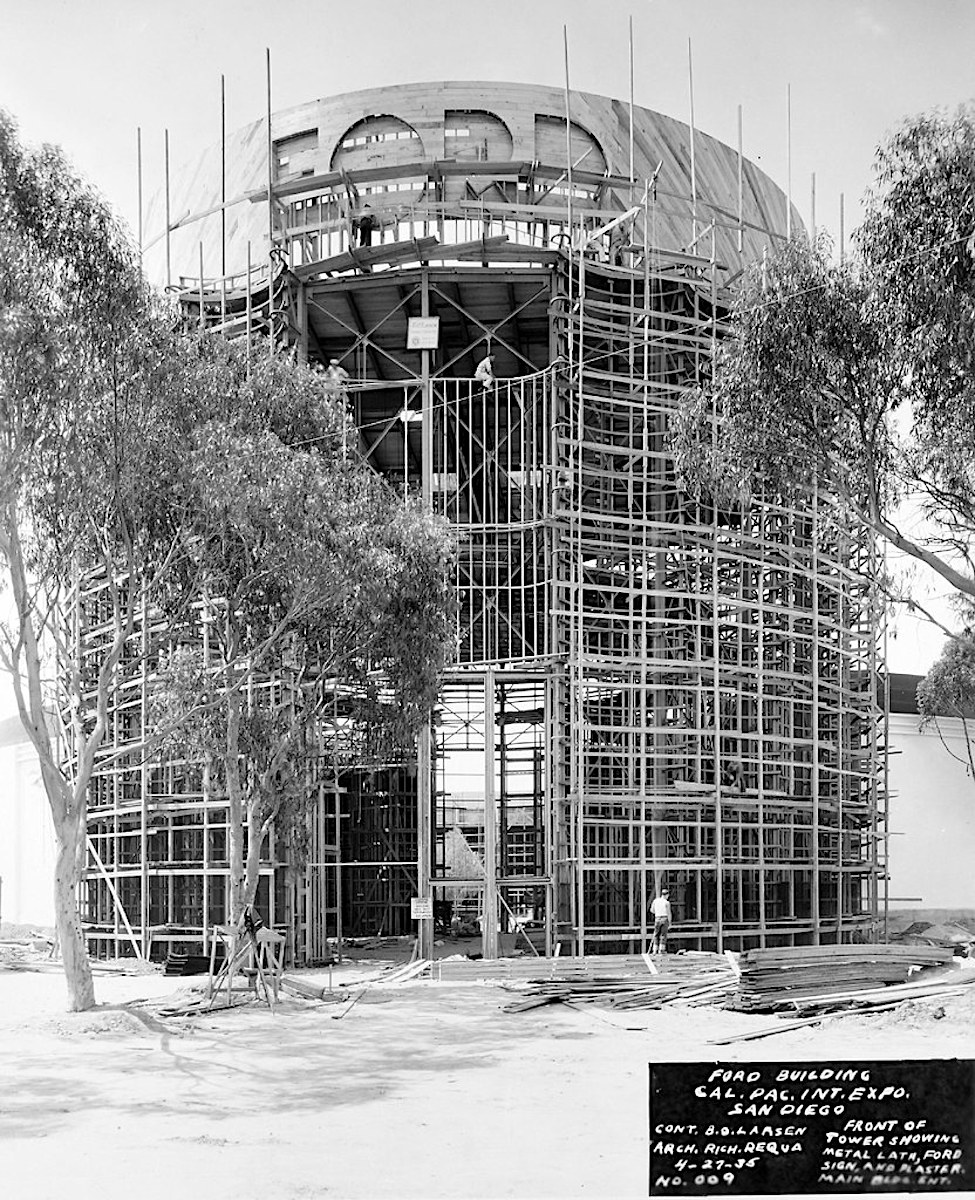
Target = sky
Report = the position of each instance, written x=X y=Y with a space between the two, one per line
x=86 y=74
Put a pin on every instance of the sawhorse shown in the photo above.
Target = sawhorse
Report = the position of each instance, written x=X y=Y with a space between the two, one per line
x=245 y=949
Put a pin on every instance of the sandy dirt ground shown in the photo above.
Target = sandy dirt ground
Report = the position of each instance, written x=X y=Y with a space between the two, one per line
x=419 y=1090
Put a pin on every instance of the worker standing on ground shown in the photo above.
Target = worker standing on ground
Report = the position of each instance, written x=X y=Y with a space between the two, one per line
x=484 y=373
x=662 y=916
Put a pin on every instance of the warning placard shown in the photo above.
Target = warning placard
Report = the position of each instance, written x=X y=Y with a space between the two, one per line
x=422 y=333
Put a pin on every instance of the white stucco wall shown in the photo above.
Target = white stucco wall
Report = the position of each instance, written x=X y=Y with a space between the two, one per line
x=932 y=815
x=26 y=839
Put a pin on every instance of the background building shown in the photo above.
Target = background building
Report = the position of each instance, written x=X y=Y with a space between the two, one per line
x=26 y=836
x=932 y=813
x=649 y=691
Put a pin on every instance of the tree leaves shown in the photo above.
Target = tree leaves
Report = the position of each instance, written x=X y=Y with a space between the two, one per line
x=314 y=576
x=857 y=377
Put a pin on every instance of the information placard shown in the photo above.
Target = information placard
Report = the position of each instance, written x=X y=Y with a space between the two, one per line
x=761 y=1129
x=421 y=908
x=422 y=333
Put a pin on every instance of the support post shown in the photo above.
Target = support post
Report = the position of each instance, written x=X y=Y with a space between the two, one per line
x=424 y=840
x=741 y=223
x=302 y=306
x=489 y=933
x=270 y=174
x=842 y=231
x=788 y=160
x=424 y=782
x=223 y=175
x=144 y=784
x=270 y=214
x=169 y=257
x=690 y=91
x=632 y=177
x=138 y=169
x=812 y=210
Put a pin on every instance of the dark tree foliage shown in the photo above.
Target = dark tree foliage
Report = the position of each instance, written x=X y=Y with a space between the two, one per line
x=315 y=575
x=858 y=376
x=161 y=467
x=73 y=410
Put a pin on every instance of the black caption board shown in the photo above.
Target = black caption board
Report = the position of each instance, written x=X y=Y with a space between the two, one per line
x=767 y=1129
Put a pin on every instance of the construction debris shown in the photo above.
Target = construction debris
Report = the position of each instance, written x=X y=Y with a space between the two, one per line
x=784 y=977
x=956 y=937
x=186 y=964
x=616 y=980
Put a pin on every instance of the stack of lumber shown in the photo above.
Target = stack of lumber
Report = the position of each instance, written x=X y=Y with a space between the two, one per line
x=788 y=978
x=186 y=964
x=613 y=980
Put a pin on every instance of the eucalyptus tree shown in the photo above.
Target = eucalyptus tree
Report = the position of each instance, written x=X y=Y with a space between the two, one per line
x=152 y=468
x=858 y=375
x=314 y=575
x=948 y=690
x=83 y=455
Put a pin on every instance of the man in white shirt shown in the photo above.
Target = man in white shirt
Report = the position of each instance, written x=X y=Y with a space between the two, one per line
x=336 y=379
x=662 y=916
x=484 y=373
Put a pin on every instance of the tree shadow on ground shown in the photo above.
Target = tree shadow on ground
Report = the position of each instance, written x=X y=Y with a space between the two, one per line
x=295 y=1059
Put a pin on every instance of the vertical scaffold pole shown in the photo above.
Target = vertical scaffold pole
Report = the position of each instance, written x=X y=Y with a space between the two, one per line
x=788 y=160
x=812 y=210
x=138 y=171
x=144 y=784
x=250 y=309
x=424 y=774
x=568 y=137
x=632 y=176
x=202 y=321
x=842 y=234
x=741 y=190
x=169 y=261
x=886 y=765
x=716 y=651
x=816 y=779
x=690 y=89
x=270 y=212
x=489 y=933
x=223 y=175
x=578 y=633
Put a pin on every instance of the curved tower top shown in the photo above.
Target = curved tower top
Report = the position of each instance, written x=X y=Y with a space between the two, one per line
x=463 y=149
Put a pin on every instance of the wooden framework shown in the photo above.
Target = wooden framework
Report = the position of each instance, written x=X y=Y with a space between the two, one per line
x=648 y=691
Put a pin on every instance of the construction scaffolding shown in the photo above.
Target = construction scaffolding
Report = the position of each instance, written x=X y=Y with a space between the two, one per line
x=649 y=690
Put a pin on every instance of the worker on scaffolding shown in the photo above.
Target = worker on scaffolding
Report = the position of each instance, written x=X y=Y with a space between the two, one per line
x=336 y=380
x=484 y=373
x=618 y=242
x=366 y=224
x=662 y=916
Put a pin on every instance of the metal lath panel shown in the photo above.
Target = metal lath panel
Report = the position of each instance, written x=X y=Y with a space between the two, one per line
x=719 y=662
x=493 y=479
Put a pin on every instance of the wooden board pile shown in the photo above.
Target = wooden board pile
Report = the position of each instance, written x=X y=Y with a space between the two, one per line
x=614 y=980
x=805 y=979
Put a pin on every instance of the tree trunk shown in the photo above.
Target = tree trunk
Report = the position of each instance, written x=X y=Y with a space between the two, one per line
x=74 y=955
x=235 y=834
x=66 y=799
x=235 y=813
x=254 y=840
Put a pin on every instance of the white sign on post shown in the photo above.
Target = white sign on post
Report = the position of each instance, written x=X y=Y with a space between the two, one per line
x=421 y=908
x=423 y=333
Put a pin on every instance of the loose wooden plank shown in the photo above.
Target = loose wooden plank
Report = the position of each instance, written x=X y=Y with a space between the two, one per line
x=765 y=1031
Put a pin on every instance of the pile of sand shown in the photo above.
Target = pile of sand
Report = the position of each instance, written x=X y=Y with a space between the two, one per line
x=97 y=1023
